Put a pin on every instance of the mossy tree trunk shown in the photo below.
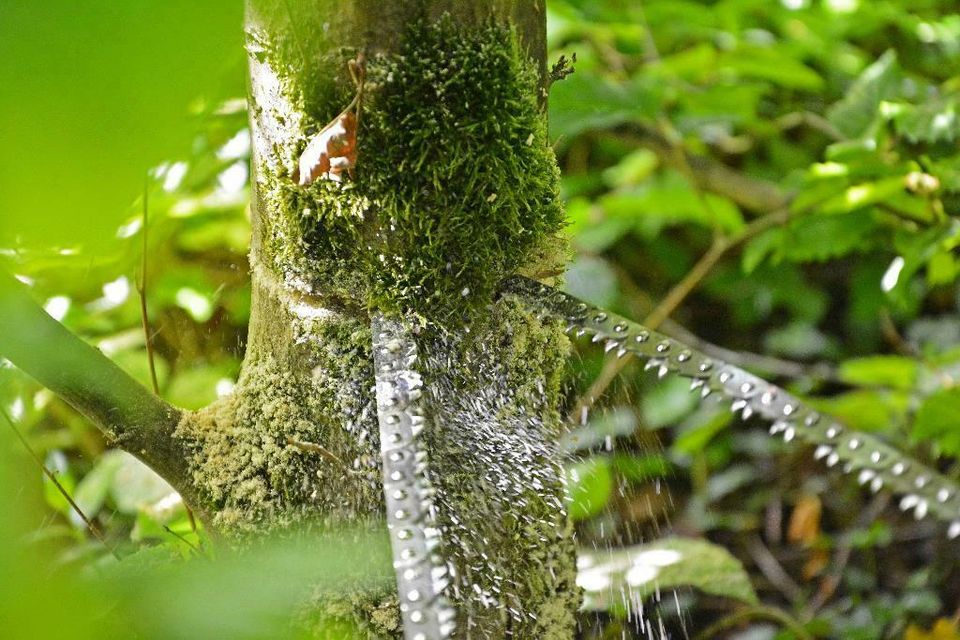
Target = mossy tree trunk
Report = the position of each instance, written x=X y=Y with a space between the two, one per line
x=454 y=188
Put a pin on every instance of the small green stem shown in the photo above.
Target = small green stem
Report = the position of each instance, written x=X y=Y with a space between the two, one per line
x=142 y=294
x=756 y=612
x=94 y=530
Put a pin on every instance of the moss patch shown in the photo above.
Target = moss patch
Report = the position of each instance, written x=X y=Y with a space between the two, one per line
x=493 y=398
x=243 y=461
x=455 y=185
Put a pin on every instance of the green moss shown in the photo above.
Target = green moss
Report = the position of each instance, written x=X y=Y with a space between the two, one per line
x=368 y=615
x=243 y=461
x=493 y=459
x=455 y=188
x=497 y=425
x=455 y=185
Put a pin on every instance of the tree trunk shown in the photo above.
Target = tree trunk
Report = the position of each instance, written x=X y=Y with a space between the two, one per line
x=454 y=188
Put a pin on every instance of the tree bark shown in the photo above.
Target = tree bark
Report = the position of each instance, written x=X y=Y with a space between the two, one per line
x=454 y=188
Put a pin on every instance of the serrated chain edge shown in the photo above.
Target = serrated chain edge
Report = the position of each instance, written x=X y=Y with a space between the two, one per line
x=421 y=574
x=876 y=464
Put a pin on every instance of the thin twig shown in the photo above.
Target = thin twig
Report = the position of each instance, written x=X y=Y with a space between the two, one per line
x=892 y=335
x=358 y=73
x=771 y=568
x=830 y=582
x=183 y=539
x=813 y=120
x=312 y=447
x=53 y=478
x=142 y=293
x=148 y=335
x=674 y=299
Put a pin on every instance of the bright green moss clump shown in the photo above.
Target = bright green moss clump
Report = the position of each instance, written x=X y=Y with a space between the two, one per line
x=455 y=185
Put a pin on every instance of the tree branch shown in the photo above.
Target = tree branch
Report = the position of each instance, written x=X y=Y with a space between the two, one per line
x=129 y=415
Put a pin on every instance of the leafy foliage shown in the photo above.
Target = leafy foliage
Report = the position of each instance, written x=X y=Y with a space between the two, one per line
x=106 y=88
x=814 y=140
x=843 y=288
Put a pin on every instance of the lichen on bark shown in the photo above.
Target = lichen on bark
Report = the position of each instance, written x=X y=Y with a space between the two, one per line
x=455 y=188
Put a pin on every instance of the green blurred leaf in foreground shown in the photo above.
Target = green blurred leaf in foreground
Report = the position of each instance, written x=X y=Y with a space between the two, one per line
x=94 y=94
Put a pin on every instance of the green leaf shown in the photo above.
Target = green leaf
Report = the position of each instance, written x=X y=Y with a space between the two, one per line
x=584 y=102
x=867 y=409
x=58 y=465
x=820 y=238
x=760 y=248
x=799 y=339
x=667 y=201
x=94 y=488
x=772 y=65
x=96 y=93
x=669 y=402
x=245 y=595
x=135 y=486
x=588 y=487
x=610 y=424
x=591 y=279
x=199 y=386
x=695 y=64
x=592 y=230
x=938 y=421
x=694 y=440
x=856 y=111
x=641 y=468
x=889 y=371
x=942 y=268
x=633 y=169
x=933 y=121
x=863 y=195
x=612 y=579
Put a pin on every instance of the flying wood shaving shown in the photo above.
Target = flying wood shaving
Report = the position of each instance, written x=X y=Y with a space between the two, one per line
x=333 y=151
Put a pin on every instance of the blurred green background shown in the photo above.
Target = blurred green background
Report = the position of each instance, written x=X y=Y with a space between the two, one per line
x=781 y=179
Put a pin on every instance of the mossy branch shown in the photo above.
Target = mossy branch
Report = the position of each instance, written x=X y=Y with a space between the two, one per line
x=129 y=415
